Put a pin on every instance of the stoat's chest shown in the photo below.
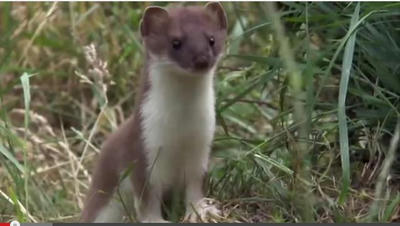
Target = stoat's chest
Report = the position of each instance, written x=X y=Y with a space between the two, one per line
x=178 y=121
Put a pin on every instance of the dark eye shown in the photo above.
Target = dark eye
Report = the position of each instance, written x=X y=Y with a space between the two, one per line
x=176 y=44
x=211 y=40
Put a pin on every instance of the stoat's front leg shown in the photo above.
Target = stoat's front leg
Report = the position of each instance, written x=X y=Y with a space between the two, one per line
x=199 y=208
x=150 y=208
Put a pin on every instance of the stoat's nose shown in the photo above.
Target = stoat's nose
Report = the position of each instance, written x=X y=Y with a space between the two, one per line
x=201 y=62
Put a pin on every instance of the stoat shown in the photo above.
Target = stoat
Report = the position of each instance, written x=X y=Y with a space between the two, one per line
x=166 y=143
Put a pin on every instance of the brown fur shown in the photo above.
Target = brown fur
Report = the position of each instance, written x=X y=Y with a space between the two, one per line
x=193 y=26
x=125 y=148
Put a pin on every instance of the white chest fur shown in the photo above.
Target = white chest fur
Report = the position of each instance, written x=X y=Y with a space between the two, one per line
x=178 y=125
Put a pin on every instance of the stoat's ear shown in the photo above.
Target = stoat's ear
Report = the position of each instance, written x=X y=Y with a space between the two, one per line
x=153 y=21
x=217 y=11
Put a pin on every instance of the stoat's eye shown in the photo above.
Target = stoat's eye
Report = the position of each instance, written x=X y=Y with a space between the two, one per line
x=211 y=40
x=176 y=44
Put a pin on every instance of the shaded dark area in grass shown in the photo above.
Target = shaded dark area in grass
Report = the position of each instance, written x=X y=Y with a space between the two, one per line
x=278 y=154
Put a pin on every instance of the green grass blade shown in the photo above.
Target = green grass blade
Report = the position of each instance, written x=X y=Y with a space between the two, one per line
x=344 y=81
x=27 y=96
x=264 y=78
x=27 y=101
x=250 y=30
x=338 y=50
x=390 y=210
x=12 y=159
x=379 y=202
x=275 y=163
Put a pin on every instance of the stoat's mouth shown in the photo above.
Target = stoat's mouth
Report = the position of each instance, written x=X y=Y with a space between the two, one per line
x=171 y=67
x=197 y=70
x=200 y=70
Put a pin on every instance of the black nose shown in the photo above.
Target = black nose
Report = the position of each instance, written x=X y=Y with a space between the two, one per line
x=201 y=62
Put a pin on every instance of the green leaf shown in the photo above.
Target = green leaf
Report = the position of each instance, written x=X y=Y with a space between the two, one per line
x=344 y=81
x=12 y=159
x=27 y=95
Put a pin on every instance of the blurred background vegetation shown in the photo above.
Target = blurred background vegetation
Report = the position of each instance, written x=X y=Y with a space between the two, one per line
x=307 y=103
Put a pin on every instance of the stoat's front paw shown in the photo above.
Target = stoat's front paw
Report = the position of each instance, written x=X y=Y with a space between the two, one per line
x=203 y=211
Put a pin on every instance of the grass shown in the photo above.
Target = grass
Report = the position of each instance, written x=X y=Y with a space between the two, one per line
x=344 y=82
x=307 y=104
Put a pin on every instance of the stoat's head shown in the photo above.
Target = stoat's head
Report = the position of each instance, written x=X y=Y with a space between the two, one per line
x=189 y=39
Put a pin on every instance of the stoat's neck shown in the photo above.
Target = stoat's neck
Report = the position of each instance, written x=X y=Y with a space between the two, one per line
x=177 y=86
